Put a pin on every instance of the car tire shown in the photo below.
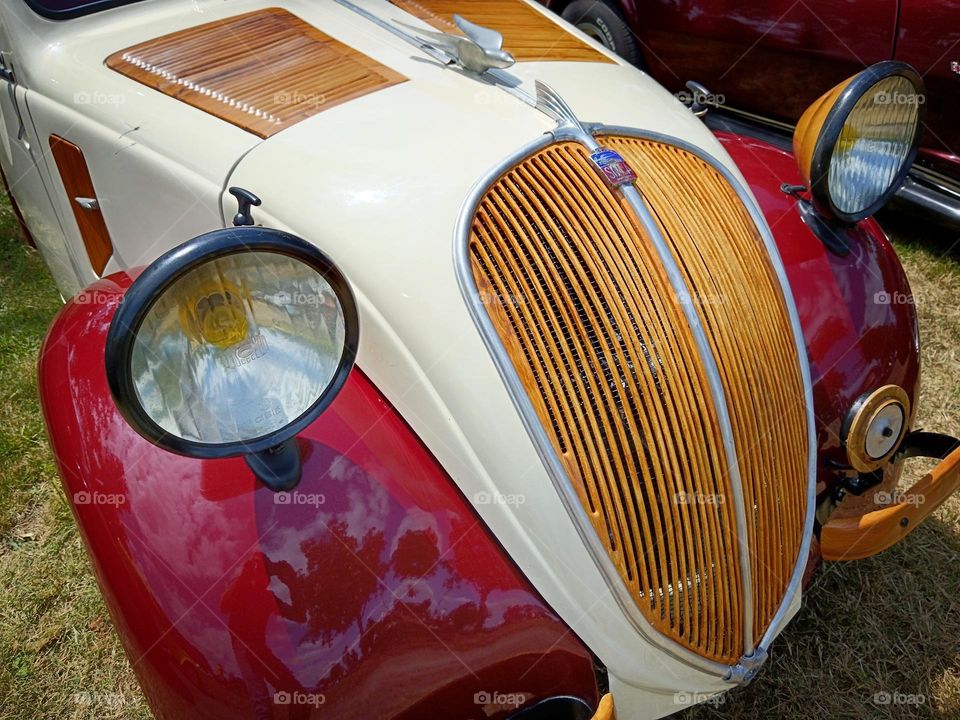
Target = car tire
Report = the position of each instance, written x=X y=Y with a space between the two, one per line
x=604 y=23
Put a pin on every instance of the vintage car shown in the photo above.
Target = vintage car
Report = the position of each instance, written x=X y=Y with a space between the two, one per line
x=770 y=60
x=422 y=365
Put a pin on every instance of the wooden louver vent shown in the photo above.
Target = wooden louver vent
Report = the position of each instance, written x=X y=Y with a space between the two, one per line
x=263 y=71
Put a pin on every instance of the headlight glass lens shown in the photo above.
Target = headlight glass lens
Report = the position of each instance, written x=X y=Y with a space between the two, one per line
x=238 y=348
x=874 y=144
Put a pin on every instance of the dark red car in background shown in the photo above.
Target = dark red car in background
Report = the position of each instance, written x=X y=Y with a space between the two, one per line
x=772 y=58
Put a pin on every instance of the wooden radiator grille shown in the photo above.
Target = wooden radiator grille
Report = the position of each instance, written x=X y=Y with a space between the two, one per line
x=579 y=298
x=527 y=33
x=586 y=314
x=263 y=71
x=740 y=303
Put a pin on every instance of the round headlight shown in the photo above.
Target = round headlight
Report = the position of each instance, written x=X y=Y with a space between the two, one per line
x=231 y=343
x=857 y=143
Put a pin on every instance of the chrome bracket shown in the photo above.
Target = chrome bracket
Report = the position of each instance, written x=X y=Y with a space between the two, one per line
x=749 y=666
x=493 y=75
x=87 y=203
x=698 y=99
x=6 y=69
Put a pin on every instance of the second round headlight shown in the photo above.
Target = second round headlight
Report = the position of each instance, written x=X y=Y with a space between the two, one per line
x=232 y=343
x=857 y=143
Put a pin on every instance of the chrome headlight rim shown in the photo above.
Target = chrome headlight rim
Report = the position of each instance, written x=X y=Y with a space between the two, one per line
x=161 y=275
x=826 y=143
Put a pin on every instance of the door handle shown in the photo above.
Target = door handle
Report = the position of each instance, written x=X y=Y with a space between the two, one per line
x=6 y=69
x=7 y=74
x=87 y=203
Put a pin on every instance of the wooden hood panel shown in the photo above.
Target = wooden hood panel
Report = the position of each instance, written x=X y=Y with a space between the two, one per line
x=263 y=71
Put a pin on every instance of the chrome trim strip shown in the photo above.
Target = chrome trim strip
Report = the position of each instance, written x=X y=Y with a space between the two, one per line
x=777 y=262
x=551 y=104
x=495 y=77
x=684 y=296
x=531 y=421
x=720 y=401
x=390 y=27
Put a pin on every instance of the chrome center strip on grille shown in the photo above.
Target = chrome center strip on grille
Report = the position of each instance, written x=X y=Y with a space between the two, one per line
x=494 y=76
x=747 y=668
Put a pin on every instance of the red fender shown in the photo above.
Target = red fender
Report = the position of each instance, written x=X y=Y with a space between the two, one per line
x=371 y=591
x=857 y=312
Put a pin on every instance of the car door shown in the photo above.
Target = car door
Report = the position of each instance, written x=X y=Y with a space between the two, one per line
x=929 y=39
x=130 y=172
x=21 y=163
x=771 y=57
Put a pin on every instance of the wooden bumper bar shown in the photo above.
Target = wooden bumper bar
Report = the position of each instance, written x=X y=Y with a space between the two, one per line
x=605 y=710
x=861 y=537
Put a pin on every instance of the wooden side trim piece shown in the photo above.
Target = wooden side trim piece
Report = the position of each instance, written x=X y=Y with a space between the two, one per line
x=78 y=184
x=526 y=32
x=262 y=71
x=872 y=533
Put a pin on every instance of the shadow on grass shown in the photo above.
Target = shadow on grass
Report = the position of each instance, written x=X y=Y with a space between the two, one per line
x=913 y=236
x=28 y=302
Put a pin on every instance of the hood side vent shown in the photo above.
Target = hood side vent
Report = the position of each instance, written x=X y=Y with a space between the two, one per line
x=263 y=71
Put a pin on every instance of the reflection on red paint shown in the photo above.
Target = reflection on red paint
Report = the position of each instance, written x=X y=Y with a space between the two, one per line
x=371 y=590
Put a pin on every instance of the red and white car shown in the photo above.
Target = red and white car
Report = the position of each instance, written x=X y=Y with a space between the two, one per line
x=415 y=366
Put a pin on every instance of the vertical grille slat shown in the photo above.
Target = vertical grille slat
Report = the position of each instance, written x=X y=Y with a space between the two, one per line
x=591 y=323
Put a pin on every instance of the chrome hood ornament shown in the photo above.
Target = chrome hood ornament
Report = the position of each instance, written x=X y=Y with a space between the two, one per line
x=555 y=107
x=478 y=50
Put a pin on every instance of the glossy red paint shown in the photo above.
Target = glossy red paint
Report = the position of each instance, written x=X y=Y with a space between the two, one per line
x=857 y=312
x=929 y=39
x=371 y=591
x=775 y=57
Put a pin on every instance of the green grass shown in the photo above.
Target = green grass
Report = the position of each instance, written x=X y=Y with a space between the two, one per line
x=886 y=625
x=60 y=656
